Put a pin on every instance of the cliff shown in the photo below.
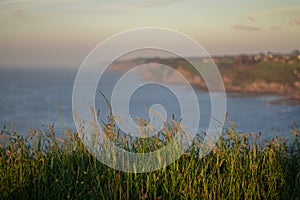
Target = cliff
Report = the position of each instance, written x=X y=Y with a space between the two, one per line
x=247 y=74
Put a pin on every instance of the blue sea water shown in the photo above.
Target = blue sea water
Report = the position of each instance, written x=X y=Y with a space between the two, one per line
x=30 y=98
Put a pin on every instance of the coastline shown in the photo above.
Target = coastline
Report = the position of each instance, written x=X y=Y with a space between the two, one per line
x=258 y=78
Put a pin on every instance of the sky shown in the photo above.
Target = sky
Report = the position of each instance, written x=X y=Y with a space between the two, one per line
x=60 y=33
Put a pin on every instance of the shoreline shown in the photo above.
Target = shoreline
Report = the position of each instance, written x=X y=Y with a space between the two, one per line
x=257 y=79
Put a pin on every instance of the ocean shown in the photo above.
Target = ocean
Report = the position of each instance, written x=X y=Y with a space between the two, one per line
x=35 y=98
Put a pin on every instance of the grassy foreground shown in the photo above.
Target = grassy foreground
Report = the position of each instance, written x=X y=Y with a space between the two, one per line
x=44 y=166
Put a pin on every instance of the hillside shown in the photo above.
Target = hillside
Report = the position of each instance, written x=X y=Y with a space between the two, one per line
x=259 y=73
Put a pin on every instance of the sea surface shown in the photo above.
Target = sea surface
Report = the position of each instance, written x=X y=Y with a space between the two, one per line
x=35 y=98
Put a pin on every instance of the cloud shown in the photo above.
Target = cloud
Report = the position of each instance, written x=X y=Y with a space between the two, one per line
x=246 y=28
x=18 y=13
x=297 y=21
x=294 y=21
x=251 y=19
x=279 y=16
x=282 y=11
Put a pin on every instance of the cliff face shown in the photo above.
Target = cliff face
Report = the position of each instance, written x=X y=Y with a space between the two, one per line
x=256 y=86
x=261 y=86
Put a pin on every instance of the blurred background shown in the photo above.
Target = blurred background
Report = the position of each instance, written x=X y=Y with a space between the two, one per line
x=255 y=45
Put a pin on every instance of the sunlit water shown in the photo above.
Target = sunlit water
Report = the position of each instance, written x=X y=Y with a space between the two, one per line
x=30 y=98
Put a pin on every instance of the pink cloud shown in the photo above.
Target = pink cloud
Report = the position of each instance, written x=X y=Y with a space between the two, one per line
x=297 y=21
x=249 y=18
x=18 y=13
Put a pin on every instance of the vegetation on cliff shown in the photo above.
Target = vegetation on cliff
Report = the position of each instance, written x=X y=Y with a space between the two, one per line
x=257 y=73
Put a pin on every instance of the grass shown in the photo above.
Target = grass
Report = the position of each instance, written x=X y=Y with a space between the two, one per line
x=271 y=72
x=43 y=166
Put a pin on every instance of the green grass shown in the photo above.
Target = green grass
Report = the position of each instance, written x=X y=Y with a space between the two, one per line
x=43 y=166
x=271 y=72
